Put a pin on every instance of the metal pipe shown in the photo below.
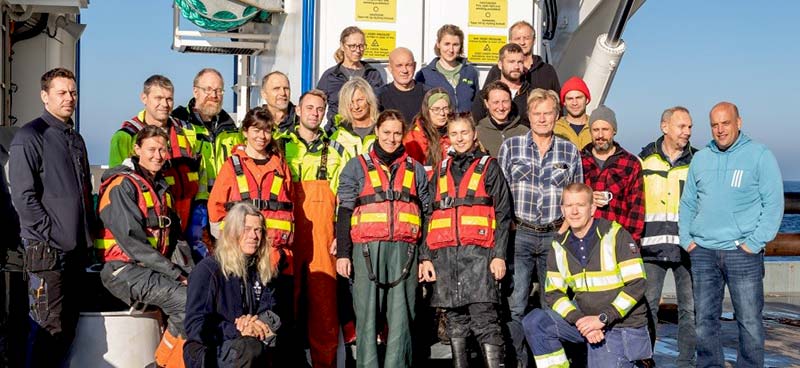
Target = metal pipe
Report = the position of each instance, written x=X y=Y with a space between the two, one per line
x=784 y=245
x=307 y=59
x=791 y=203
x=618 y=24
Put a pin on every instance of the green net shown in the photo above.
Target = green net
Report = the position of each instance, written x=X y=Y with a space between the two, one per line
x=218 y=15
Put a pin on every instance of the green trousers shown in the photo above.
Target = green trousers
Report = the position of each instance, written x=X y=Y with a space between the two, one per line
x=377 y=307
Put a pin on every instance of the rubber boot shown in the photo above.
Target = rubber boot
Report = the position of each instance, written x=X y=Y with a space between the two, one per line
x=458 y=345
x=176 y=359
x=493 y=356
x=166 y=348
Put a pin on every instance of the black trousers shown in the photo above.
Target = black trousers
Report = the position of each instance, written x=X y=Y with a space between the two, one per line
x=242 y=352
x=54 y=282
x=479 y=318
x=132 y=283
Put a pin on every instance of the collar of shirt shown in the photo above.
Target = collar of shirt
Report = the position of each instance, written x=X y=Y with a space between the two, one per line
x=56 y=123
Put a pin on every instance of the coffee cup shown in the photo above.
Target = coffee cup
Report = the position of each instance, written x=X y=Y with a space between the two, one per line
x=605 y=197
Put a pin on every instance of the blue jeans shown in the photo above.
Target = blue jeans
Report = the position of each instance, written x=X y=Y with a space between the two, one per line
x=530 y=252
x=744 y=274
x=656 y=272
x=622 y=346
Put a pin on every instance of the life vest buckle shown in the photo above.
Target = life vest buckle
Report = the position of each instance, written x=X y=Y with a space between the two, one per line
x=164 y=222
x=446 y=202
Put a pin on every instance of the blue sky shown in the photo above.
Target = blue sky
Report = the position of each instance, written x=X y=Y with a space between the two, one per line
x=679 y=52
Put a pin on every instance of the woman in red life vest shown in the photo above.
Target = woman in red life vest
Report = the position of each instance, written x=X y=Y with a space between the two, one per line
x=257 y=173
x=383 y=199
x=140 y=237
x=465 y=249
x=427 y=141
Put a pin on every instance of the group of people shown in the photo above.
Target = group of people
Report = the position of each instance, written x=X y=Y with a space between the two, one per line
x=290 y=232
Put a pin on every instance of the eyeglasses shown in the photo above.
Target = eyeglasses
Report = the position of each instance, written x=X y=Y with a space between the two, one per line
x=537 y=115
x=211 y=91
x=440 y=110
x=356 y=46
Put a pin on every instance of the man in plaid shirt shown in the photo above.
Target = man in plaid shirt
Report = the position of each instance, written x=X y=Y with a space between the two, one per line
x=607 y=167
x=537 y=166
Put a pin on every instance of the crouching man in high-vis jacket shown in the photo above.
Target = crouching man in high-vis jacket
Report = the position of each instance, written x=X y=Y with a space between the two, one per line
x=139 y=240
x=599 y=261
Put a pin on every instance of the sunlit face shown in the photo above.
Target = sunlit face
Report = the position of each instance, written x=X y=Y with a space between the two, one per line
x=542 y=116
x=152 y=154
x=449 y=47
x=310 y=111
x=602 y=135
x=498 y=104
x=523 y=36
x=462 y=135
x=208 y=94
x=725 y=126
x=577 y=208
x=512 y=66
x=250 y=239
x=575 y=102
x=276 y=92
x=157 y=104
x=353 y=47
x=359 y=107
x=438 y=112
x=390 y=135
x=402 y=67
x=258 y=138
x=677 y=130
x=60 y=98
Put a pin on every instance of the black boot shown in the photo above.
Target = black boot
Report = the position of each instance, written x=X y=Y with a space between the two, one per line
x=493 y=356
x=458 y=345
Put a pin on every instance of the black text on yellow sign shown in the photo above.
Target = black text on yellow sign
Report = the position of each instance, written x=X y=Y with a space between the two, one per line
x=488 y=13
x=376 y=11
x=484 y=49
x=379 y=44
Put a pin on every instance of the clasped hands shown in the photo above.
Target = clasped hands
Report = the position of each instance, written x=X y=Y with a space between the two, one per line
x=250 y=325
x=591 y=328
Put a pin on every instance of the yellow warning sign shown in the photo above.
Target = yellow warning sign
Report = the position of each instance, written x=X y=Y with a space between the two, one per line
x=376 y=11
x=484 y=48
x=379 y=44
x=488 y=13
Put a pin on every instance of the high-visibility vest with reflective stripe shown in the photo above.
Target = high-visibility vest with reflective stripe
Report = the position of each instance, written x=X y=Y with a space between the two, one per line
x=213 y=151
x=465 y=217
x=155 y=210
x=386 y=210
x=270 y=196
x=663 y=185
x=612 y=275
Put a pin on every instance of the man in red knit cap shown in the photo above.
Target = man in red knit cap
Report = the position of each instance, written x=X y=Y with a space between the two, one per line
x=574 y=124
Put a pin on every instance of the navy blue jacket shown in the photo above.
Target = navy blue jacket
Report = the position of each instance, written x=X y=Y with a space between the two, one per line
x=213 y=303
x=51 y=189
x=465 y=92
x=333 y=79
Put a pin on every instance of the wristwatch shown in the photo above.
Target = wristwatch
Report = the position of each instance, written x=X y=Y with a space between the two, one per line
x=603 y=318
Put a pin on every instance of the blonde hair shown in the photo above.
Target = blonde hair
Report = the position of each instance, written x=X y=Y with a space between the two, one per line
x=228 y=253
x=339 y=54
x=346 y=99
x=538 y=95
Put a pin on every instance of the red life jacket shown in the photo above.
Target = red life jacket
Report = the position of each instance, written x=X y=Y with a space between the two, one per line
x=155 y=210
x=386 y=211
x=465 y=217
x=270 y=196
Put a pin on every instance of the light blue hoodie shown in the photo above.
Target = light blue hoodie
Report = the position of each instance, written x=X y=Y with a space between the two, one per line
x=732 y=197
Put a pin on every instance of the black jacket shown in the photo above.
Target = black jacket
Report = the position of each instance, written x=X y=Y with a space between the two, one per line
x=126 y=222
x=213 y=302
x=462 y=272
x=333 y=79
x=540 y=75
x=289 y=120
x=52 y=189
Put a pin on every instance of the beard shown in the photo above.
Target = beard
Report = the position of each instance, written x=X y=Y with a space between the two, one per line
x=604 y=146
x=210 y=108
x=511 y=78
